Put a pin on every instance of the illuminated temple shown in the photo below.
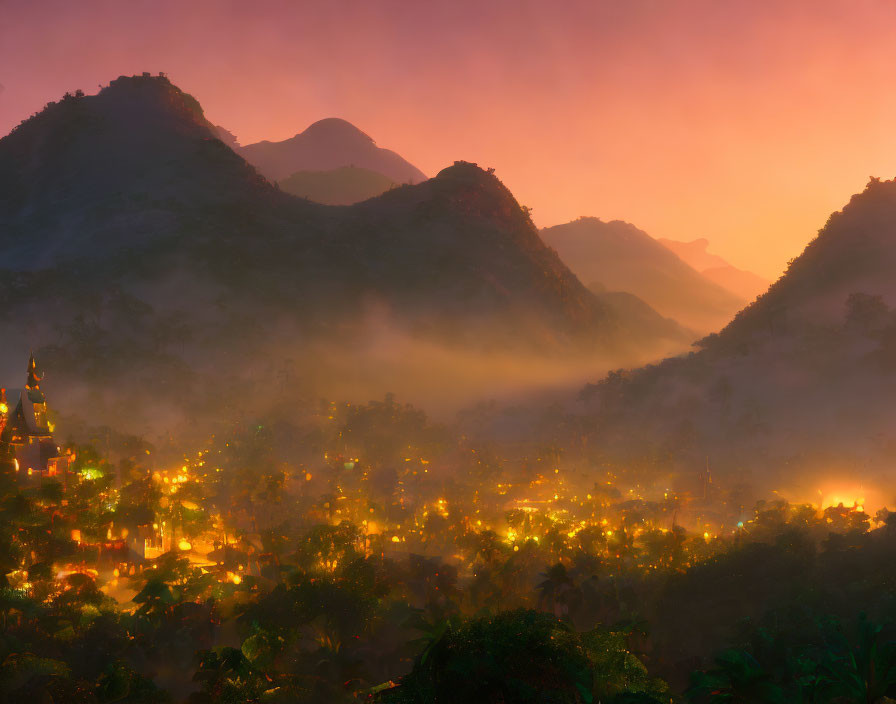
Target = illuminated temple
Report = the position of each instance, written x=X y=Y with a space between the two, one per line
x=26 y=433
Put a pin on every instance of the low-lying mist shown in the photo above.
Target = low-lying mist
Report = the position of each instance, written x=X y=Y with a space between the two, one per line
x=172 y=387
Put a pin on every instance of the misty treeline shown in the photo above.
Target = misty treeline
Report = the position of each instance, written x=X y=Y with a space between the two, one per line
x=303 y=600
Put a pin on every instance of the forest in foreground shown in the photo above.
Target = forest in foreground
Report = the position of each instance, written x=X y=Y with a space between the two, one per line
x=350 y=573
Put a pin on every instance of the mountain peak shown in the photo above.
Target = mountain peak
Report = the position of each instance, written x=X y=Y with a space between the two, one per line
x=467 y=171
x=464 y=176
x=336 y=129
x=144 y=83
x=139 y=139
x=137 y=94
x=473 y=190
x=326 y=145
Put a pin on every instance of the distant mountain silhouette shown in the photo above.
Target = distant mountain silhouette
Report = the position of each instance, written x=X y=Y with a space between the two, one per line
x=326 y=145
x=140 y=251
x=343 y=186
x=623 y=258
x=797 y=390
x=694 y=253
x=740 y=282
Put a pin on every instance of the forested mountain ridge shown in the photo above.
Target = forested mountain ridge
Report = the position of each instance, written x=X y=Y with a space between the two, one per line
x=803 y=378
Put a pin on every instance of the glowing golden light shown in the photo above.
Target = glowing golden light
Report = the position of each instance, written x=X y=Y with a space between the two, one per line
x=849 y=496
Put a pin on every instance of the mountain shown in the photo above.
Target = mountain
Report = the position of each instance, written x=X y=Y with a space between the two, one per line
x=343 y=186
x=796 y=393
x=326 y=145
x=742 y=283
x=620 y=257
x=139 y=252
x=134 y=181
x=132 y=170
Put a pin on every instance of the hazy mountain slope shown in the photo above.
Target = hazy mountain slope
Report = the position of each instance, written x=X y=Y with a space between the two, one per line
x=624 y=258
x=326 y=145
x=343 y=186
x=800 y=385
x=740 y=282
x=643 y=322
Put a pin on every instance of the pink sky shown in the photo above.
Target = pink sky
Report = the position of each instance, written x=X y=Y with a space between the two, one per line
x=743 y=122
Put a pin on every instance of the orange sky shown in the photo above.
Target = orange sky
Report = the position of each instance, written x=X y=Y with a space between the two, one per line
x=743 y=122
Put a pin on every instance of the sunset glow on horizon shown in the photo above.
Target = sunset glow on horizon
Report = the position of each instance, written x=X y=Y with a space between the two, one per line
x=744 y=123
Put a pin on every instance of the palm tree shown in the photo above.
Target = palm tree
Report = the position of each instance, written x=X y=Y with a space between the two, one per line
x=862 y=671
x=738 y=678
x=155 y=598
x=558 y=591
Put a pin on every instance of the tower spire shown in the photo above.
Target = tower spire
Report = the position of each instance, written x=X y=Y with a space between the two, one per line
x=33 y=375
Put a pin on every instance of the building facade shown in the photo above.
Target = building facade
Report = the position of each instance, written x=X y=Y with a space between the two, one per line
x=26 y=432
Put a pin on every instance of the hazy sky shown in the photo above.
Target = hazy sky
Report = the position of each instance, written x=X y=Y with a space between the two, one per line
x=743 y=122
